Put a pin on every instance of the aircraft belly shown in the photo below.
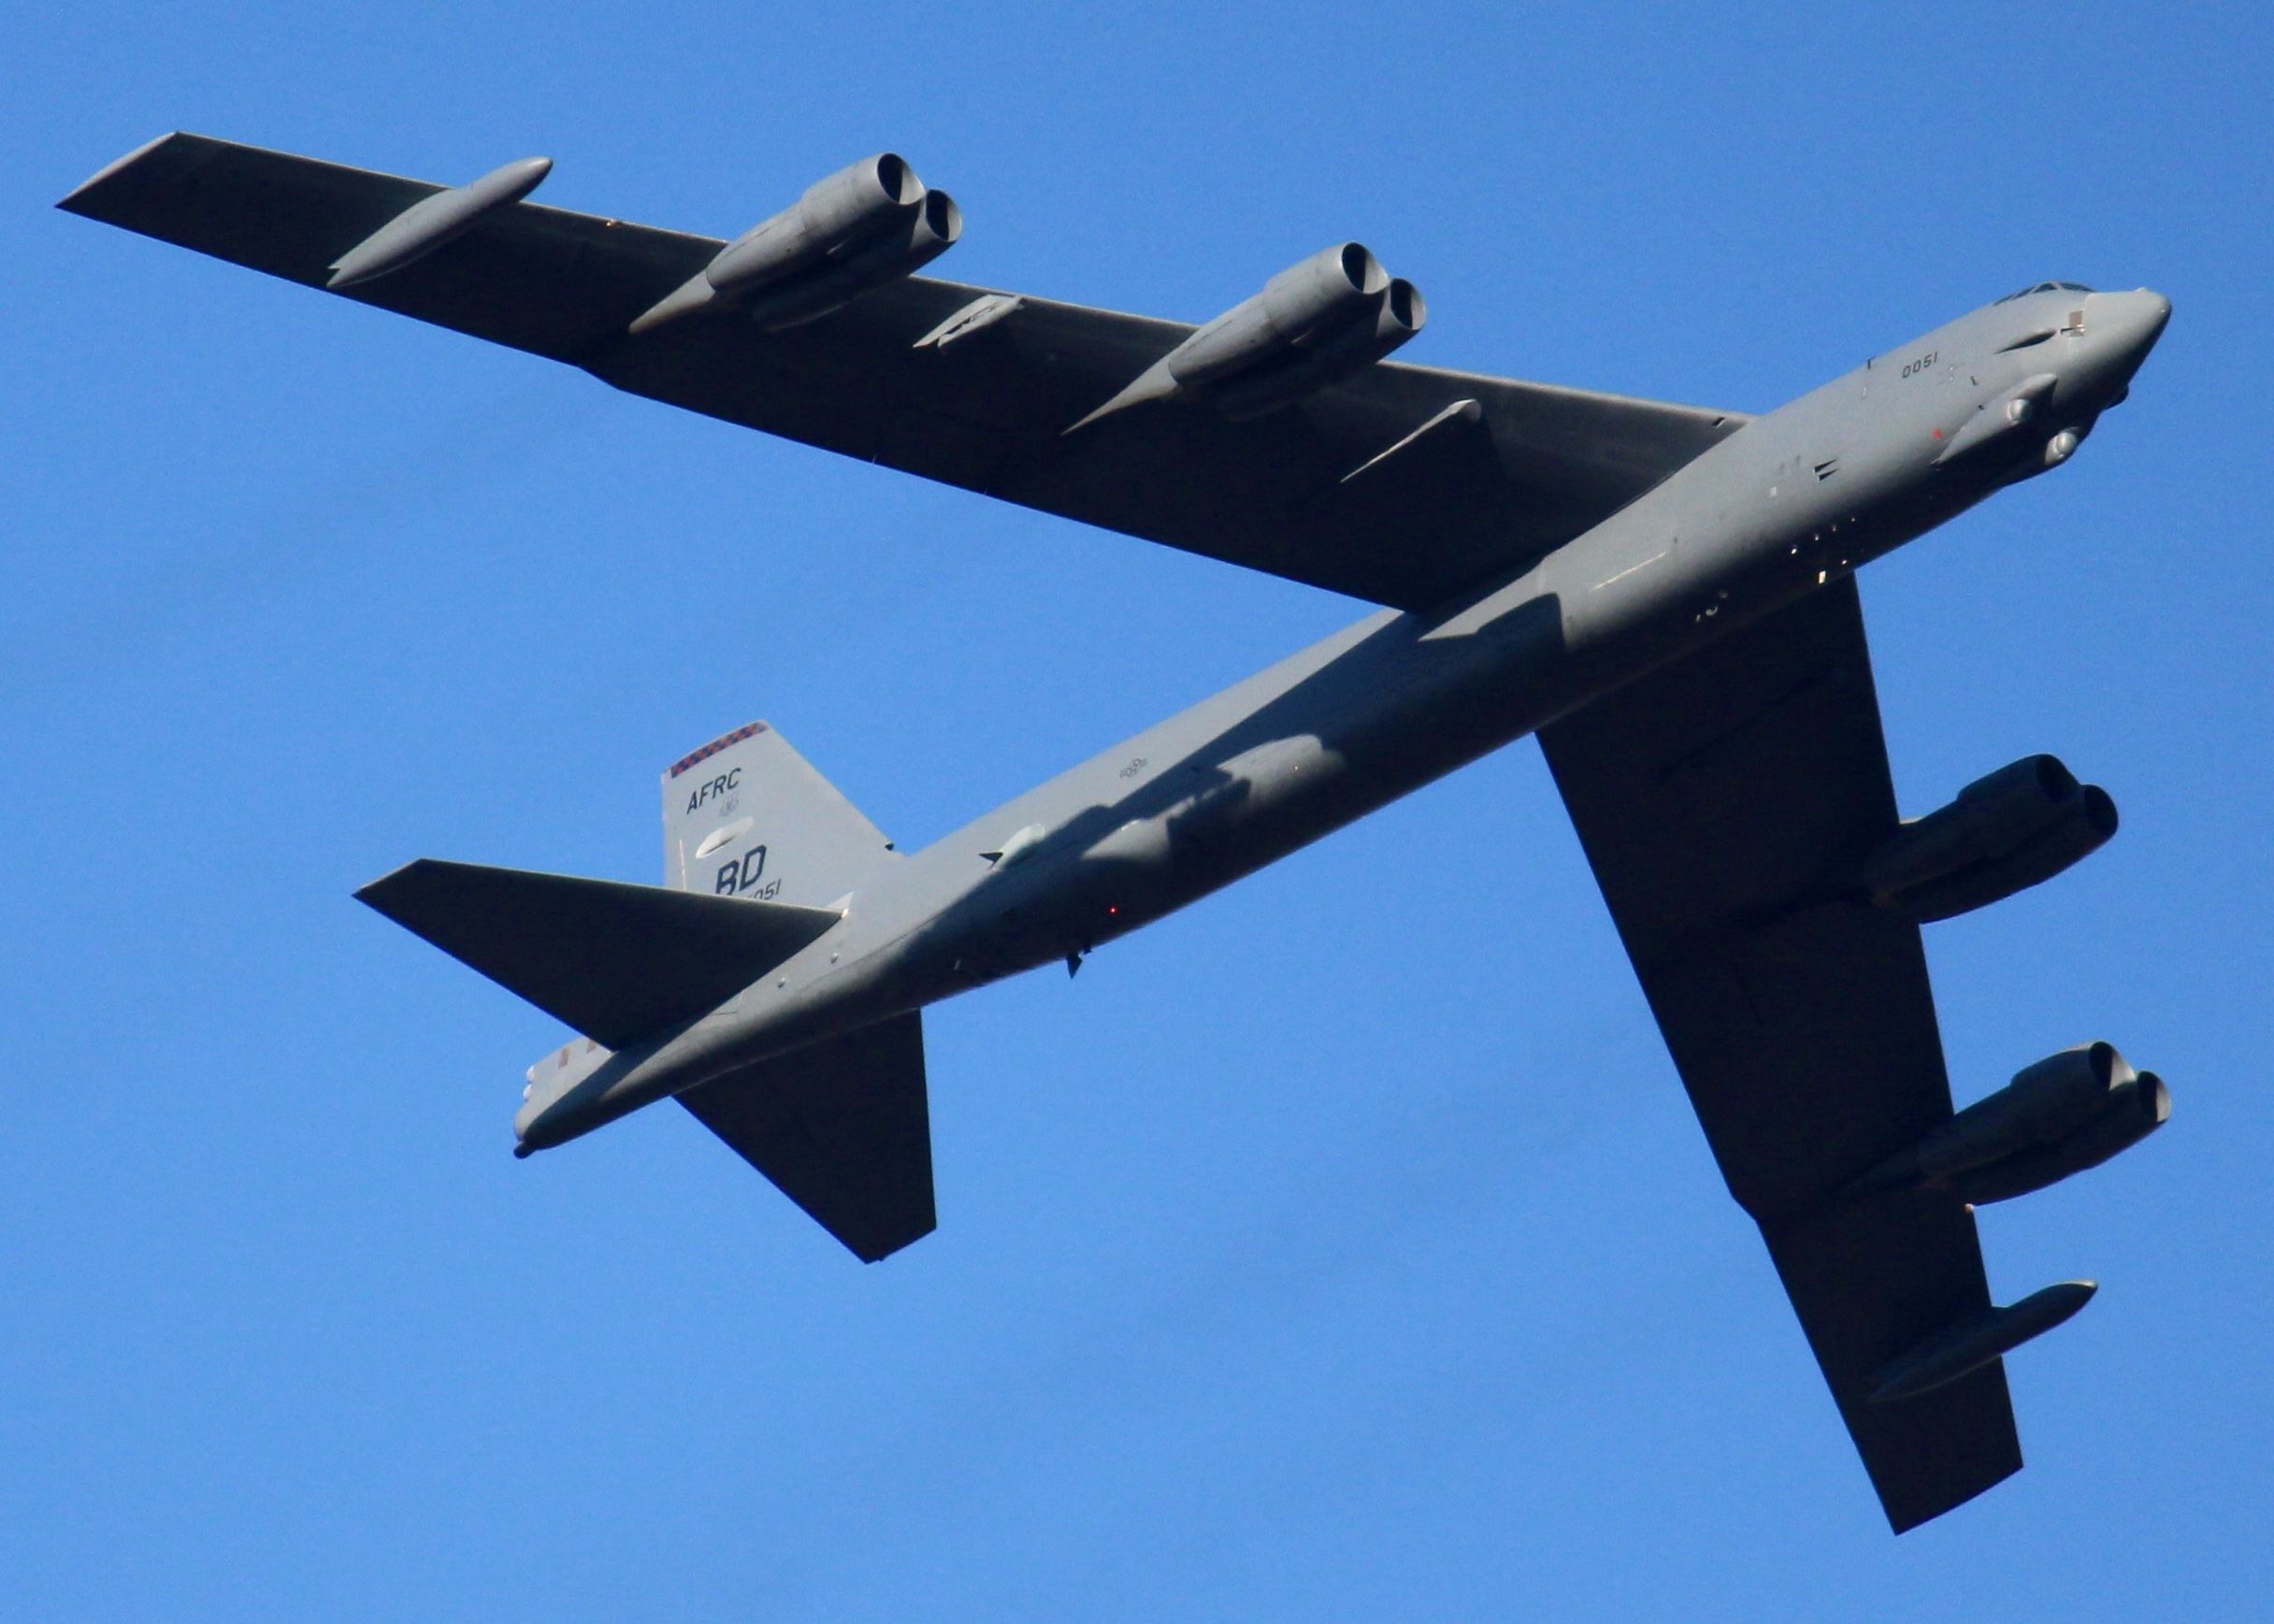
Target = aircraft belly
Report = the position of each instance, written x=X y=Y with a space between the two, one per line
x=1275 y=762
x=1313 y=744
x=1291 y=754
x=1548 y=560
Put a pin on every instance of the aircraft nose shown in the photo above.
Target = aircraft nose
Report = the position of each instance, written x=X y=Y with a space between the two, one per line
x=2133 y=322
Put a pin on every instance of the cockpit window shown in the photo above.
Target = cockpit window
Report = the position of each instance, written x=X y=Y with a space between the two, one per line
x=2045 y=288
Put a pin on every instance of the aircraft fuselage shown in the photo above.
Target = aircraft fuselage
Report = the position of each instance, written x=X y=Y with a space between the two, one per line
x=1795 y=499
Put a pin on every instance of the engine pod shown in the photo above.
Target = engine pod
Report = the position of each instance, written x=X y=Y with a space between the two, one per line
x=2017 y=828
x=871 y=222
x=861 y=201
x=1319 y=319
x=2135 y=1109
x=2067 y=1113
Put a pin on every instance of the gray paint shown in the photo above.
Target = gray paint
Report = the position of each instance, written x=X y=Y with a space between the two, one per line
x=1664 y=592
x=986 y=413
x=432 y=221
x=1399 y=699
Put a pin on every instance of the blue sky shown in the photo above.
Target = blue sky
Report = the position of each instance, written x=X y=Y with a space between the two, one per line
x=1341 y=1248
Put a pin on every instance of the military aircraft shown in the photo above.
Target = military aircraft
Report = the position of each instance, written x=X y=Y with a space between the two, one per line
x=1665 y=595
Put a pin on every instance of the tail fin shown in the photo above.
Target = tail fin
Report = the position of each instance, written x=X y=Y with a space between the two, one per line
x=617 y=962
x=747 y=816
x=841 y=1128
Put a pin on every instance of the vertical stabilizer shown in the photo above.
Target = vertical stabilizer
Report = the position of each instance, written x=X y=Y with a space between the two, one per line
x=747 y=816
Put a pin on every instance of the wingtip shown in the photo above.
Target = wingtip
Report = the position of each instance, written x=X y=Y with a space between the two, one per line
x=876 y=1247
x=371 y=893
x=75 y=201
x=1903 y=1517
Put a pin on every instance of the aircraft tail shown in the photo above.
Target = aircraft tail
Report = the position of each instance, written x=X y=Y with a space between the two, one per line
x=842 y=1127
x=617 y=962
x=747 y=816
x=754 y=838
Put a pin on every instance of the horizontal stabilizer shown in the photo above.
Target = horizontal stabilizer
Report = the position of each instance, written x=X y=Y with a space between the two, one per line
x=616 y=961
x=842 y=1127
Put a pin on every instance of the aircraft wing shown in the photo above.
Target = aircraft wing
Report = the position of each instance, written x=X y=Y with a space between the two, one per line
x=1724 y=802
x=1485 y=475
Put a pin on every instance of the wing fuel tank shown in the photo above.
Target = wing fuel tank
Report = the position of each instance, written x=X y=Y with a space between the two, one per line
x=1974 y=1342
x=428 y=224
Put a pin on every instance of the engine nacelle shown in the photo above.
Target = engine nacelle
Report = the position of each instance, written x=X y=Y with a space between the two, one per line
x=1319 y=319
x=2068 y=1112
x=2134 y=1110
x=2018 y=826
x=860 y=228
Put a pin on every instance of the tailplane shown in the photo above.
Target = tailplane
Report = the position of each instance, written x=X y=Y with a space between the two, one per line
x=842 y=1127
x=760 y=853
x=617 y=962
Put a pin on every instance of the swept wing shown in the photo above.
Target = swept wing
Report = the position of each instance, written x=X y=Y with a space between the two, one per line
x=1726 y=803
x=1487 y=473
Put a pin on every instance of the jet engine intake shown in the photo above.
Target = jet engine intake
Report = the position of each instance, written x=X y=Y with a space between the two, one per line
x=860 y=228
x=2067 y=1113
x=2018 y=826
x=1321 y=319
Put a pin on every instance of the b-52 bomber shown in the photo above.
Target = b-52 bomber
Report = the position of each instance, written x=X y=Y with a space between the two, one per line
x=1663 y=594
